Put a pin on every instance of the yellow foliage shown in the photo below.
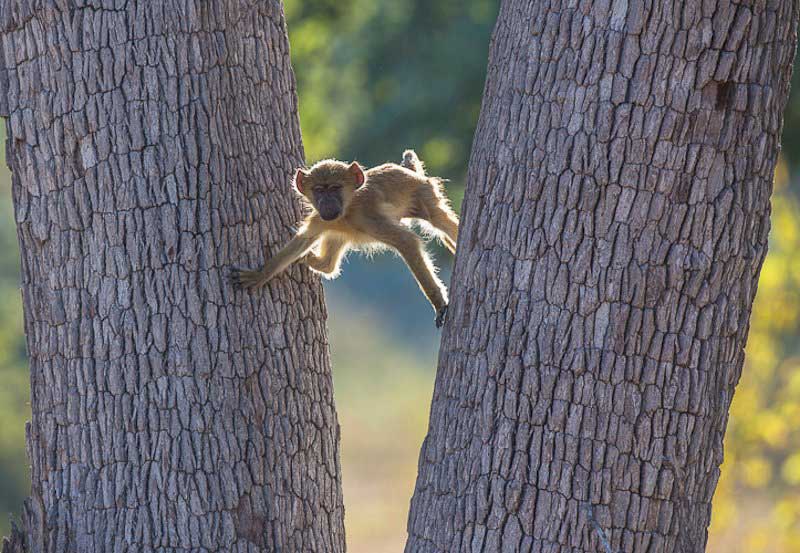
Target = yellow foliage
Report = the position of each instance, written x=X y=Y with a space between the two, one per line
x=756 y=472
x=760 y=352
x=757 y=504
x=758 y=540
x=791 y=469
x=773 y=429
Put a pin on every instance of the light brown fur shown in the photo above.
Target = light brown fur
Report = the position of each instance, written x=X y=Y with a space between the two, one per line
x=373 y=215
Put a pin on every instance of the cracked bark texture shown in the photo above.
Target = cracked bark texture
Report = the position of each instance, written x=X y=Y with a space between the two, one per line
x=152 y=145
x=614 y=225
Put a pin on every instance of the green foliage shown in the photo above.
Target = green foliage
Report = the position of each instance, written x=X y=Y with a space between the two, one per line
x=377 y=77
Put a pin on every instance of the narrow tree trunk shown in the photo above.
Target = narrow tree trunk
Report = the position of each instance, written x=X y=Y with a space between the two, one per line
x=614 y=226
x=151 y=145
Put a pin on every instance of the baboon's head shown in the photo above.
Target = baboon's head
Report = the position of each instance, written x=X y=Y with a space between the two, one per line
x=329 y=185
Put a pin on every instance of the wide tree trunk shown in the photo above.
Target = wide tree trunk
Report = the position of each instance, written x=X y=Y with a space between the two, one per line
x=152 y=145
x=614 y=226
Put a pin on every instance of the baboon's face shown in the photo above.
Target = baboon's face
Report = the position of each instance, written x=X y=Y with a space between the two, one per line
x=329 y=186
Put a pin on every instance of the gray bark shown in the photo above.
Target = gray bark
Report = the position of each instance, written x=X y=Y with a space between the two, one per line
x=614 y=226
x=152 y=145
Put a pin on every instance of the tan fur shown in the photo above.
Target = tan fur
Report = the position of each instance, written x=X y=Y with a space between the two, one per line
x=373 y=215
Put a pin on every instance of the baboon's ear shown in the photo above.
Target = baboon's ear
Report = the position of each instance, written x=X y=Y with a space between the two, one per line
x=298 y=180
x=358 y=173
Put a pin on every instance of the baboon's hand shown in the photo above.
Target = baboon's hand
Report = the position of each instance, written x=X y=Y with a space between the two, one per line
x=243 y=279
x=441 y=315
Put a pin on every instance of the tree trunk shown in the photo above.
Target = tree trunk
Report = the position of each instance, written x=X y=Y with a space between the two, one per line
x=151 y=145
x=614 y=226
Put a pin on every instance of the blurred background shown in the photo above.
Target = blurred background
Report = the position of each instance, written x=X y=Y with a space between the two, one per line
x=375 y=77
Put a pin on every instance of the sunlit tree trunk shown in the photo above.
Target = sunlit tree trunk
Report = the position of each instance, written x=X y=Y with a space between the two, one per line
x=615 y=222
x=151 y=145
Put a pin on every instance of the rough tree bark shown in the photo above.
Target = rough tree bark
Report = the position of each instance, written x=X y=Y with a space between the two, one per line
x=151 y=145
x=614 y=226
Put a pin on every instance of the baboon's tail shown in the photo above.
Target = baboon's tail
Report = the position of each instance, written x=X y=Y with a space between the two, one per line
x=411 y=161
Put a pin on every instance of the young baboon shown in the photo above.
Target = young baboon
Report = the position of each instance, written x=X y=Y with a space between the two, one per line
x=356 y=209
